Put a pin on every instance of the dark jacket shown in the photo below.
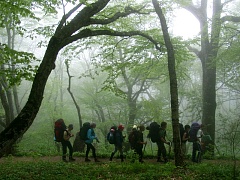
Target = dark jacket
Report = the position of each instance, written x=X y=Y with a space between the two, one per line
x=119 y=138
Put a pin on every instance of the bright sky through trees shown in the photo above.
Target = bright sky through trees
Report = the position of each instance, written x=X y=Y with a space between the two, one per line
x=185 y=24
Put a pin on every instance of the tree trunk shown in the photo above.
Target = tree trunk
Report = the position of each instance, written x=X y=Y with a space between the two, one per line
x=25 y=118
x=173 y=85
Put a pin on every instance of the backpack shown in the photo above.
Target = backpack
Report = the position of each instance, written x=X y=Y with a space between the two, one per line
x=59 y=128
x=111 y=136
x=83 y=131
x=181 y=131
x=193 y=132
x=154 y=130
x=133 y=137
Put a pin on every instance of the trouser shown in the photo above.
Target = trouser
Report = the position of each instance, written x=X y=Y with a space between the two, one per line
x=90 y=146
x=117 y=148
x=138 y=150
x=196 y=151
x=161 y=151
x=184 y=148
x=65 y=145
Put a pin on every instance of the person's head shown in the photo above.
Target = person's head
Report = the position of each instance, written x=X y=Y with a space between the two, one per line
x=93 y=125
x=121 y=127
x=70 y=127
x=134 y=127
x=187 y=127
x=163 y=125
x=141 y=127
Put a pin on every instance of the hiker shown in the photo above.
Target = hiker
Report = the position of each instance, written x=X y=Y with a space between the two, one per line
x=67 y=144
x=184 y=139
x=195 y=137
x=118 y=145
x=131 y=136
x=160 y=143
x=90 y=137
x=140 y=142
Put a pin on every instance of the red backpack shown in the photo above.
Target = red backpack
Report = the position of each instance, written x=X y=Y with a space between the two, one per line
x=59 y=128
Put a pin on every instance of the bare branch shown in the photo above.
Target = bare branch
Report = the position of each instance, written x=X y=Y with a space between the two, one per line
x=231 y=18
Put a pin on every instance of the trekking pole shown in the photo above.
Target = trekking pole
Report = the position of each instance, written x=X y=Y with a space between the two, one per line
x=169 y=150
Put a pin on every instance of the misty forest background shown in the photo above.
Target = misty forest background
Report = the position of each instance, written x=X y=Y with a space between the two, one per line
x=120 y=79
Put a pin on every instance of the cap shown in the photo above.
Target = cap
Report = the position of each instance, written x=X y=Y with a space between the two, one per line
x=134 y=126
x=121 y=127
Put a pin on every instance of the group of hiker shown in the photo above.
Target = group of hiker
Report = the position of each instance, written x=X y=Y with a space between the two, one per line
x=157 y=134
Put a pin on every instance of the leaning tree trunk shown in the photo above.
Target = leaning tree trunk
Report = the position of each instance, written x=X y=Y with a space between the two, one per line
x=25 y=118
x=173 y=86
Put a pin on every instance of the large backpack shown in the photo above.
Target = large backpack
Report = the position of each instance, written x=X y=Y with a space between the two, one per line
x=193 y=132
x=181 y=131
x=133 y=137
x=83 y=131
x=154 y=130
x=59 y=128
x=111 y=135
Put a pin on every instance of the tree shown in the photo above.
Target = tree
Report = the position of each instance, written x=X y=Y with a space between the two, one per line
x=208 y=52
x=173 y=85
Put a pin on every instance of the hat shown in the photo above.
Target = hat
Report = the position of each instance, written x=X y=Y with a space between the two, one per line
x=134 y=127
x=121 y=127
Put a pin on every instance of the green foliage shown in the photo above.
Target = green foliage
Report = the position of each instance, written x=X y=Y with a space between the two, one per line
x=58 y=170
x=17 y=65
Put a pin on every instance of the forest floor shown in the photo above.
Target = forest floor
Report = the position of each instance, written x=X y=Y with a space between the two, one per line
x=102 y=160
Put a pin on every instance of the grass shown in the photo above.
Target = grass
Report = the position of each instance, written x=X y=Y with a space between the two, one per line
x=16 y=170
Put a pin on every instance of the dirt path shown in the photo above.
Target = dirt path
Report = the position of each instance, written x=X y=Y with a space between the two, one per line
x=104 y=160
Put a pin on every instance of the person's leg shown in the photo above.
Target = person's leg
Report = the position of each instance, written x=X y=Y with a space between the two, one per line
x=199 y=155
x=64 y=150
x=159 y=152
x=164 y=152
x=121 y=153
x=115 y=150
x=69 y=145
x=184 y=148
x=87 y=152
x=194 y=151
x=140 y=153
x=93 y=152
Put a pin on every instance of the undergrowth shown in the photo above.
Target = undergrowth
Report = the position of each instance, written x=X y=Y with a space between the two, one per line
x=10 y=170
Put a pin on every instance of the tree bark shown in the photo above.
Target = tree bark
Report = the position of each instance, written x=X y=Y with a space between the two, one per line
x=173 y=85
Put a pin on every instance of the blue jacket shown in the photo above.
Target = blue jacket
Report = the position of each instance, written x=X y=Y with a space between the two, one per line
x=91 y=136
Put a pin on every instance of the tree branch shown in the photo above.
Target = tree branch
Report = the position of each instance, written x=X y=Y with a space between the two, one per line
x=128 y=11
x=66 y=16
x=230 y=18
x=90 y=33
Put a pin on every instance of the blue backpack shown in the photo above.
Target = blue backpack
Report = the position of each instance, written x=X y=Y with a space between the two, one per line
x=193 y=132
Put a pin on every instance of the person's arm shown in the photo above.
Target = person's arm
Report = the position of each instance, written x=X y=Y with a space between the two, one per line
x=66 y=136
x=185 y=138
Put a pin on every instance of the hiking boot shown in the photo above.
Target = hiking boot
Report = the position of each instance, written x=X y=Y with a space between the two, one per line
x=121 y=157
x=159 y=160
x=71 y=159
x=87 y=160
x=64 y=159
x=165 y=160
x=96 y=160
x=111 y=157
